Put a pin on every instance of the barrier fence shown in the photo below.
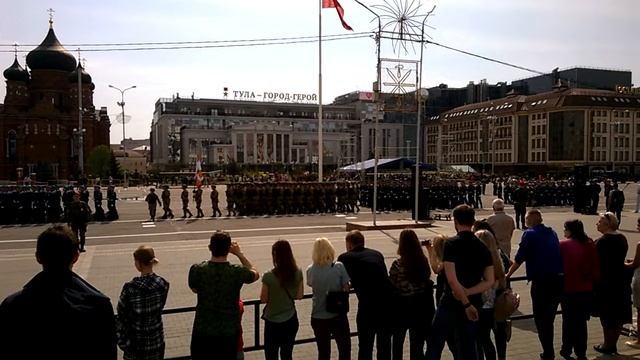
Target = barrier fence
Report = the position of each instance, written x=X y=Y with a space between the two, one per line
x=255 y=304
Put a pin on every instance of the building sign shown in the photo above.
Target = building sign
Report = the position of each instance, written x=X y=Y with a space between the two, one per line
x=627 y=90
x=275 y=97
x=365 y=96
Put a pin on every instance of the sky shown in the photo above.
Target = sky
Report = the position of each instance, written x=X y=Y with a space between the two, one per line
x=537 y=34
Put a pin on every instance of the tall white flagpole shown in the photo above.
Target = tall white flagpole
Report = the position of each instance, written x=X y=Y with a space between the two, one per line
x=320 y=144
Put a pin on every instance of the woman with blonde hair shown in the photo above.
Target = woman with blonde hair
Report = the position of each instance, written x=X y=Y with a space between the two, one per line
x=487 y=321
x=140 y=330
x=435 y=249
x=326 y=275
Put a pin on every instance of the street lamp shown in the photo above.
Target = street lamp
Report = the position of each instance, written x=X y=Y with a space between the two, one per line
x=124 y=146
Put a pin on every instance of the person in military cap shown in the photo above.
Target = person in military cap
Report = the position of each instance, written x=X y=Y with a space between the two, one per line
x=84 y=194
x=152 y=200
x=98 y=214
x=79 y=215
x=197 y=197
x=112 y=211
x=184 y=196
x=39 y=205
x=166 y=202
x=215 y=201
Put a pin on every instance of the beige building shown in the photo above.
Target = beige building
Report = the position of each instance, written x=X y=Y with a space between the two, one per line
x=546 y=132
x=131 y=163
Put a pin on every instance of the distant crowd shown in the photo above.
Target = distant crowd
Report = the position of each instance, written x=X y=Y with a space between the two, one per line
x=58 y=314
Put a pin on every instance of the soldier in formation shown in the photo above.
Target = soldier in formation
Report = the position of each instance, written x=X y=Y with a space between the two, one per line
x=184 y=196
x=79 y=216
x=152 y=200
x=197 y=197
x=112 y=211
x=98 y=215
x=166 y=202
x=215 y=201
x=29 y=205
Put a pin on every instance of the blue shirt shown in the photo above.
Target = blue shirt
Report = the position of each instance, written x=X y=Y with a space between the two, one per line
x=323 y=279
x=540 y=249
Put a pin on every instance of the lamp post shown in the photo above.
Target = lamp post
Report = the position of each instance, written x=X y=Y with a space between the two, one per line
x=124 y=146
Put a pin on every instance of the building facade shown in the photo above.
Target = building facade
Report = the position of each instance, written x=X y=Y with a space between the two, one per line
x=223 y=131
x=39 y=120
x=546 y=132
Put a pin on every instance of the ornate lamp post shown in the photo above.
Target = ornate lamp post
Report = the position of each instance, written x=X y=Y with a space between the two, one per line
x=124 y=144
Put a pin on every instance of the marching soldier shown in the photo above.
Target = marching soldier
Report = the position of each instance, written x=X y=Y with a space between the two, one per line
x=166 y=202
x=79 y=215
x=97 y=203
x=112 y=212
x=152 y=200
x=231 y=198
x=184 y=196
x=214 y=201
x=197 y=197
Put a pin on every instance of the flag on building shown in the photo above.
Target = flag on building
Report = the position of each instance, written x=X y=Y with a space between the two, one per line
x=339 y=9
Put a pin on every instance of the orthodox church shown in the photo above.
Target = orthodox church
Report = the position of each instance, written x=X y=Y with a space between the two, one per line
x=40 y=122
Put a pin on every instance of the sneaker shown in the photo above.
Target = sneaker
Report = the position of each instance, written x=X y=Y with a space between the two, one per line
x=601 y=349
x=633 y=344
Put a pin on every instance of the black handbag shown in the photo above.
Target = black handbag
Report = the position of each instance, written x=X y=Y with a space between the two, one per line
x=338 y=301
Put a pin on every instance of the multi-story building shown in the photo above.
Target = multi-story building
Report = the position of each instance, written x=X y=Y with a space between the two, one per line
x=39 y=119
x=546 y=132
x=222 y=131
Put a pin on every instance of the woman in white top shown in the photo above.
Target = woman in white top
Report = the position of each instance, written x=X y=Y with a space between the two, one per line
x=323 y=276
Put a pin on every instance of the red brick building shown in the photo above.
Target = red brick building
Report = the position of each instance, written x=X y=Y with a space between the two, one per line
x=39 y=117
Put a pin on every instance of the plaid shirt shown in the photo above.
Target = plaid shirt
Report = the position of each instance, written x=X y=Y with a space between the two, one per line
x=140 y=331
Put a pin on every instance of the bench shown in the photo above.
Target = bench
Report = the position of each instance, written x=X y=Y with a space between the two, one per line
x=441 y=215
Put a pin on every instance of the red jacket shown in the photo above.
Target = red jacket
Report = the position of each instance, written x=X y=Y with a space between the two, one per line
x=581 y=265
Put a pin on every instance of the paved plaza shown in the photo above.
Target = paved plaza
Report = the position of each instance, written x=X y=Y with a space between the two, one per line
x=108 y=262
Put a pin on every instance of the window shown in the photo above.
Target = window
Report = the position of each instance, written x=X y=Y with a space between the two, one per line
x=11 y=144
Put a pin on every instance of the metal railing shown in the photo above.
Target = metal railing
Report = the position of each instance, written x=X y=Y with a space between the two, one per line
x=255 y=303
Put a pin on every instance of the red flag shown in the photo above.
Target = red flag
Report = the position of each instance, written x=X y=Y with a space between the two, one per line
x=339 y=9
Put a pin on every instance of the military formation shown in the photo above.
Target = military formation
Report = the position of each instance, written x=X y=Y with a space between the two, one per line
x=283 y=198
x=51 y=204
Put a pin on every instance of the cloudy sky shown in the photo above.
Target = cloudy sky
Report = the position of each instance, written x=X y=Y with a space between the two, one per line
x=538 y=34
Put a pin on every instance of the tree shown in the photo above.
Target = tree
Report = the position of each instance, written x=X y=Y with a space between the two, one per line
x=115 y=170
x=99 y=162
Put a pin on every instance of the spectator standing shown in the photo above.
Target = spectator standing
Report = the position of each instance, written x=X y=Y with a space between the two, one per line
x=281 y=286
x=581 y=272
x=502 y=225
x=487 y=320
x=140 y=330
x=435 y=250
x=57 y=315
x=469 y=272
x=616 y=202
x=217 y=283
x=411 y=276
x=635 y=288
x=152 y=200
x=325 y=275
x=540 y=249
x=370 y=280
x=79 y=216
x=612 y=293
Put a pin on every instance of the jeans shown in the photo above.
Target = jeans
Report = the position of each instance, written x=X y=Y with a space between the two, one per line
x=546 y=293
x=279 y=337
x=486 y=322
x=338 y=327
x=575 y=314
x=415 y=315
x=373 y=325
x=500 y=333
x=452 y=323
x=80 y=230
x=204 y=347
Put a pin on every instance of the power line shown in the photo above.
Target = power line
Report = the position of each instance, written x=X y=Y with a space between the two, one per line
x=160 y=43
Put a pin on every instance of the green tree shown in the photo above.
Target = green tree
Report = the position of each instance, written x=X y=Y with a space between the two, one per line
x=115 y=170
x=98 y=162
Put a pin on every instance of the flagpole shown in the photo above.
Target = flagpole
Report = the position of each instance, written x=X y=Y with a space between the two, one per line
x=320 y=145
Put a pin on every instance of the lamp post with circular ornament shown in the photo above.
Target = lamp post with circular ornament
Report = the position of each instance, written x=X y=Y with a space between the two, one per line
x=123 y=120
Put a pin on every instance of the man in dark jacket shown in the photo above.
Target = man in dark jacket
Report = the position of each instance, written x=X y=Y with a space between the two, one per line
x=520 y=197
x=57 y=315
x=79 y=215
x=616 y=202
x=152 y=200
x=370 y=280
